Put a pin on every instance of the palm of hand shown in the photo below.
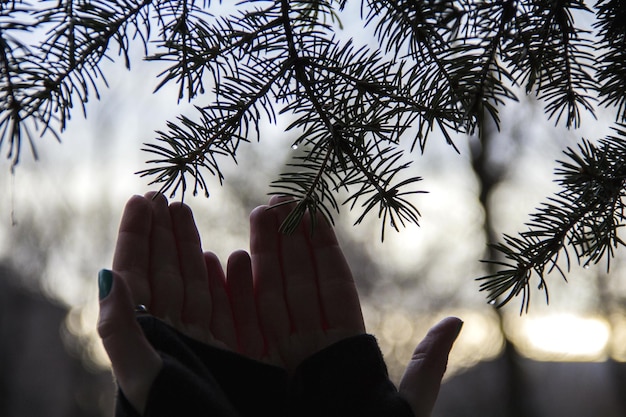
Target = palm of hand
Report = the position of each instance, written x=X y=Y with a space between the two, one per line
x=302 y=299
x=305 y=293
x=159 y=257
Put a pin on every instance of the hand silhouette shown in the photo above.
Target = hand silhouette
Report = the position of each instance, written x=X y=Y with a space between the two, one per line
x=306 y=295
x=307 y=300
x=293 y=297
x=159 y=264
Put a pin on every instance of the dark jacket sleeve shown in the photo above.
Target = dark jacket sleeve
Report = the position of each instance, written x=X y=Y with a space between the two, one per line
x=179 y=391
x=348 y=378
x=197 y=379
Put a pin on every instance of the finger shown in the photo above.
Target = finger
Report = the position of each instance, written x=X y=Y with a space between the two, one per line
x=165 y=277
x=266 y=271
x=422 y=377
x=135 y=363
x=299 y=277
x=222 y=324
x=131 y=261
x=196 y=310
x=241 y=291
x=338 y=295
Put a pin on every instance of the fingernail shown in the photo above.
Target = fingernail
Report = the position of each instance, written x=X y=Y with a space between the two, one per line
x=105 y=283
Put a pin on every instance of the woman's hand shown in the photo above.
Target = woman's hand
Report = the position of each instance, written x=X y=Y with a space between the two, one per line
x=305 y=293
x=301 y=300
x=159 y=265
x=422 y=377
x=135 y=363
x=307 y=300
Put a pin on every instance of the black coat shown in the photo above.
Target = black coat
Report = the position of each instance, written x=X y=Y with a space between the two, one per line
x=348 y=378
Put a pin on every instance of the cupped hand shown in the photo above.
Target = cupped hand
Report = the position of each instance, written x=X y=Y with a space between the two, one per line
x=305 y=293
x=159 y=257
x=301 y=300
x=307 y=300
x=159 y=264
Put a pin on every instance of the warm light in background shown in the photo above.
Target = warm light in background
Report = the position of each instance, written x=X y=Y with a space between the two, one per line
x=618 y=336
x=399 y=331
x=561 y=337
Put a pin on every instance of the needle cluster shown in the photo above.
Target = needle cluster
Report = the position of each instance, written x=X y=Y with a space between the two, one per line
x=584 y=218
x=356 y=111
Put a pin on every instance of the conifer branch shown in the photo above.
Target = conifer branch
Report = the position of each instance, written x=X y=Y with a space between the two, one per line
x=585 y=216
x=438 y=66
x=611 y=72
x=44 y=83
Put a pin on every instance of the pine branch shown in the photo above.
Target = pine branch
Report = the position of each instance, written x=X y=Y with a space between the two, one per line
x=439 y=65
x=234 y=52
x=554 y=58
x=189 y=148
x=422 y=29
x=12 y=53
x=44 y=83
x=341 y=98
x=611 y=72
x=374 y=172
x=194 y=45
x=584 y=216
x=310 y=186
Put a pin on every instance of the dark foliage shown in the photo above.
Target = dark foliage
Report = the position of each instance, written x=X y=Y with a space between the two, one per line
x=439 y=66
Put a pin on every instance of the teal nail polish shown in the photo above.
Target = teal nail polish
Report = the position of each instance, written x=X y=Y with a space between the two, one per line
x=105 y=283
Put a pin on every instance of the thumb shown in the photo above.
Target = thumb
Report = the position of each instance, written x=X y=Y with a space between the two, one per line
x=135 y=363
x=422 y=377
